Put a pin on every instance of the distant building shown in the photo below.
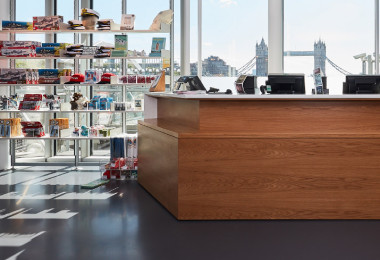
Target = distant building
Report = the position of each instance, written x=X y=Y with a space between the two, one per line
x=262 y=59
x=213 y=66
x=194 y=68
x=320 y=56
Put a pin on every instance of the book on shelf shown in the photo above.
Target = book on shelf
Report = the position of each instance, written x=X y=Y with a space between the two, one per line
x=158 y=44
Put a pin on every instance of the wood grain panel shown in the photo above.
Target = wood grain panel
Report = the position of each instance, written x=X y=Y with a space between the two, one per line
x=158 y=166
x=283 y=179
x=181 y=131
x=290 y=117
x=181 y=112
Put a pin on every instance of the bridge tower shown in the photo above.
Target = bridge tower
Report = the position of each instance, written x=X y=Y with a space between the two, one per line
x=262 y=59
x=320 y=56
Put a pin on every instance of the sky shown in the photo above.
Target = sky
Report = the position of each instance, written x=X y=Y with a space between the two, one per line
x=231 y=28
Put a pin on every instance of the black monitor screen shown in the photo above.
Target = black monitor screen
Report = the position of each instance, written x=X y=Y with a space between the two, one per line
x=191 y=82
x=362 y=84
x=286 y=84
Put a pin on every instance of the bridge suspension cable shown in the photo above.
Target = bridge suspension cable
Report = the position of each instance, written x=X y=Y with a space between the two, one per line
x=247 y=69
x=250 y=64
x=341 y=70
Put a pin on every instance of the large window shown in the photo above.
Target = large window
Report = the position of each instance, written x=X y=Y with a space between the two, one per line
x=337 y=30
x=233 y=33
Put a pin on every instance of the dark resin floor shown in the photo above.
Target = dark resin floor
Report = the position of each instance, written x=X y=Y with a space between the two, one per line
x=122 y=221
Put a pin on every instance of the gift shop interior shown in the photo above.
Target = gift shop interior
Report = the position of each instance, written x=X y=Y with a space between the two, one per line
x=178 y=129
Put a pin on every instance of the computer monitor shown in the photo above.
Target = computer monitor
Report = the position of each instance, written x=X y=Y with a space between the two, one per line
x=286 y=84
x=189 y=83
x=362 y=84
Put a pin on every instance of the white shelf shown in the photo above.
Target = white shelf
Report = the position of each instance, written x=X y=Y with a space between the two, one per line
x=81 y=58
x=79 y=31
x=69 y=111
x=47 y=137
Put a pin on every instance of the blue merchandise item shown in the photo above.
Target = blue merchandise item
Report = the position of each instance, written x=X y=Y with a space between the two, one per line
x=84 y=130
x=118 y=147
x=45 y=51
x=94 y=103
x=15 y=25
x=105 y=103
x=158 y=44
x=53 y=44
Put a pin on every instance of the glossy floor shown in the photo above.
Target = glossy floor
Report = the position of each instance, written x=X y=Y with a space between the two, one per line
x=45 y=215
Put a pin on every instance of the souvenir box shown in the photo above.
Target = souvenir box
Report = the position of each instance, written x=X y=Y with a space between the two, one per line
x=47 y=22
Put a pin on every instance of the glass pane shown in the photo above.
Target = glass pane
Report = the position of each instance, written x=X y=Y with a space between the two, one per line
x=231 y=30
x=30 y=149
x=319 y=32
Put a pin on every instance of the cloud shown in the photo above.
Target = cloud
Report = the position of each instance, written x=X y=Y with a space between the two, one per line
x=227 y=3
x=207 y=44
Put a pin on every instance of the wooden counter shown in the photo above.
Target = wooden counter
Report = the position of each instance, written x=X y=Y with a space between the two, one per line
x=262 y=157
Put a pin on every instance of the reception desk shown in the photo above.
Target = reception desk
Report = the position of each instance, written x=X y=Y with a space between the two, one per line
x=262 y=157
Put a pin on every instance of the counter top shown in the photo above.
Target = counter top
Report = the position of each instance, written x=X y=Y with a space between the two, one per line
x=265 y=97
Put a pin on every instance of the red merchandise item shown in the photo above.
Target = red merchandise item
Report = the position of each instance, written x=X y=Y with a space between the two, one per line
x=76 y=78
x=106 y=78
x=119 y=163
x=140 y=79
x=107 y=174
x=33 y=97
x=32 y=129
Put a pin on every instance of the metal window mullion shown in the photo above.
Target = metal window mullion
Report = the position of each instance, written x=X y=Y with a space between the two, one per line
x=377 y=36
x=124 y=66
x=200 y=39
x=172 y=47
x=76 y=70
x=12 y=64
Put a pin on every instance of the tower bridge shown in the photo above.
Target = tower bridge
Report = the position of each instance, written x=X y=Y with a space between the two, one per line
x=319 y=54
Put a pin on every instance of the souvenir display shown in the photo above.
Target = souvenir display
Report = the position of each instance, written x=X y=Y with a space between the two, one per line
x=158 y=44
x=19 y=48
x=123 y=162
x=32 y=129
x=89 y=18
x=121 y=42
x=74 y=50
x=16 y=25
x=100 y=103
x=76 y=25
x=127 y=22
x=52 y=76
x=47 y=22
x=10 y=127
x=103 y=52
x=76 y=79
x=78 y=101
x=105 y=24
x=106 y=78
x=31 y=102
x=13 y=76
x=92 y=76
x=158 y=85
x=62 y=99
x=56 y=125
x=163 y=17
x=9 y=103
